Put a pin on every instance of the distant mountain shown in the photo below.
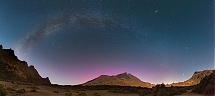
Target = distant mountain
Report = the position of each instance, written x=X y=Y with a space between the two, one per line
x=124 y=79
x=12 y=69
x=195 y=79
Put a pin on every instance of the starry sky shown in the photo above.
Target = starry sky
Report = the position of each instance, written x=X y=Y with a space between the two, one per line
x=73 y=41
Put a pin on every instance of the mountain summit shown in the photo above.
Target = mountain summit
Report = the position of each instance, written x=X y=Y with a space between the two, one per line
x=125 y=76
x=123 y=79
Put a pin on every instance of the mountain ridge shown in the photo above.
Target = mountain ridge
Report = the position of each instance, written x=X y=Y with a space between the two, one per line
x=12 y=69
x=195 y=79
x=123 y=79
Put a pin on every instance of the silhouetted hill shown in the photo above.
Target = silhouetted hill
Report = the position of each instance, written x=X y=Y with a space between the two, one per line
x=124 y=79
x=195 y=79
x=12 y=69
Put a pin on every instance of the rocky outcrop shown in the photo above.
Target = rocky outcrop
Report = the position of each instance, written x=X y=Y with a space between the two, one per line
x=195 y=79
x=12 y=69
x=124 y=79
x=206 y=86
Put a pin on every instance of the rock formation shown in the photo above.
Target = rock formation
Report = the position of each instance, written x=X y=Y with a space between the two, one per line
x=206 y=86
x=195 y=79
x=12 y=69
x=124 y=79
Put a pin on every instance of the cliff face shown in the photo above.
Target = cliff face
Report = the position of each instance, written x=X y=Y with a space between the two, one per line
x=124 y=79
x=12 y=69
x=206 y=86
x=195 y=79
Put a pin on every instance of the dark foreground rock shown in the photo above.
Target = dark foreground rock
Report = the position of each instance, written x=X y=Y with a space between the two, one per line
x=206 y=86
x=12 y=69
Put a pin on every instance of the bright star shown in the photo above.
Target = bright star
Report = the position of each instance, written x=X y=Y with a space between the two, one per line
x=156 y=11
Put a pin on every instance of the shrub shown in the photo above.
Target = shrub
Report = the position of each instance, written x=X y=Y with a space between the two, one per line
x=97 y=94
x=21 y=91
x=144 y=92
x=66 y=90
x=76 y=91
x=55 y=91
x=3 y=92
x=13 y=82
x=33 y=90
x=11 y=89
x=82 y=94
x=162 y=92
x=68 y=94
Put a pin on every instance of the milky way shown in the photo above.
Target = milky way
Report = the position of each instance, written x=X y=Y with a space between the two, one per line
x=76 y=21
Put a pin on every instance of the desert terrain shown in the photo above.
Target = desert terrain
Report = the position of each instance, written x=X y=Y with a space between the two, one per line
x=15 y=89
x=29 y=89
x=189 y=93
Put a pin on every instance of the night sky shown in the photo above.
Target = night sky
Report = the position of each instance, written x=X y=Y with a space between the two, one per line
x=73 y=41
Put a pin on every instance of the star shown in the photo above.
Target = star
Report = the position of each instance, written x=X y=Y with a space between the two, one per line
x=156 y=11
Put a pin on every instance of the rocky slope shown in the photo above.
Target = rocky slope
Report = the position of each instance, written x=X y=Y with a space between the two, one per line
x=195 y=79
x=124 y=79
x=206 y=86
x=12 y=69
